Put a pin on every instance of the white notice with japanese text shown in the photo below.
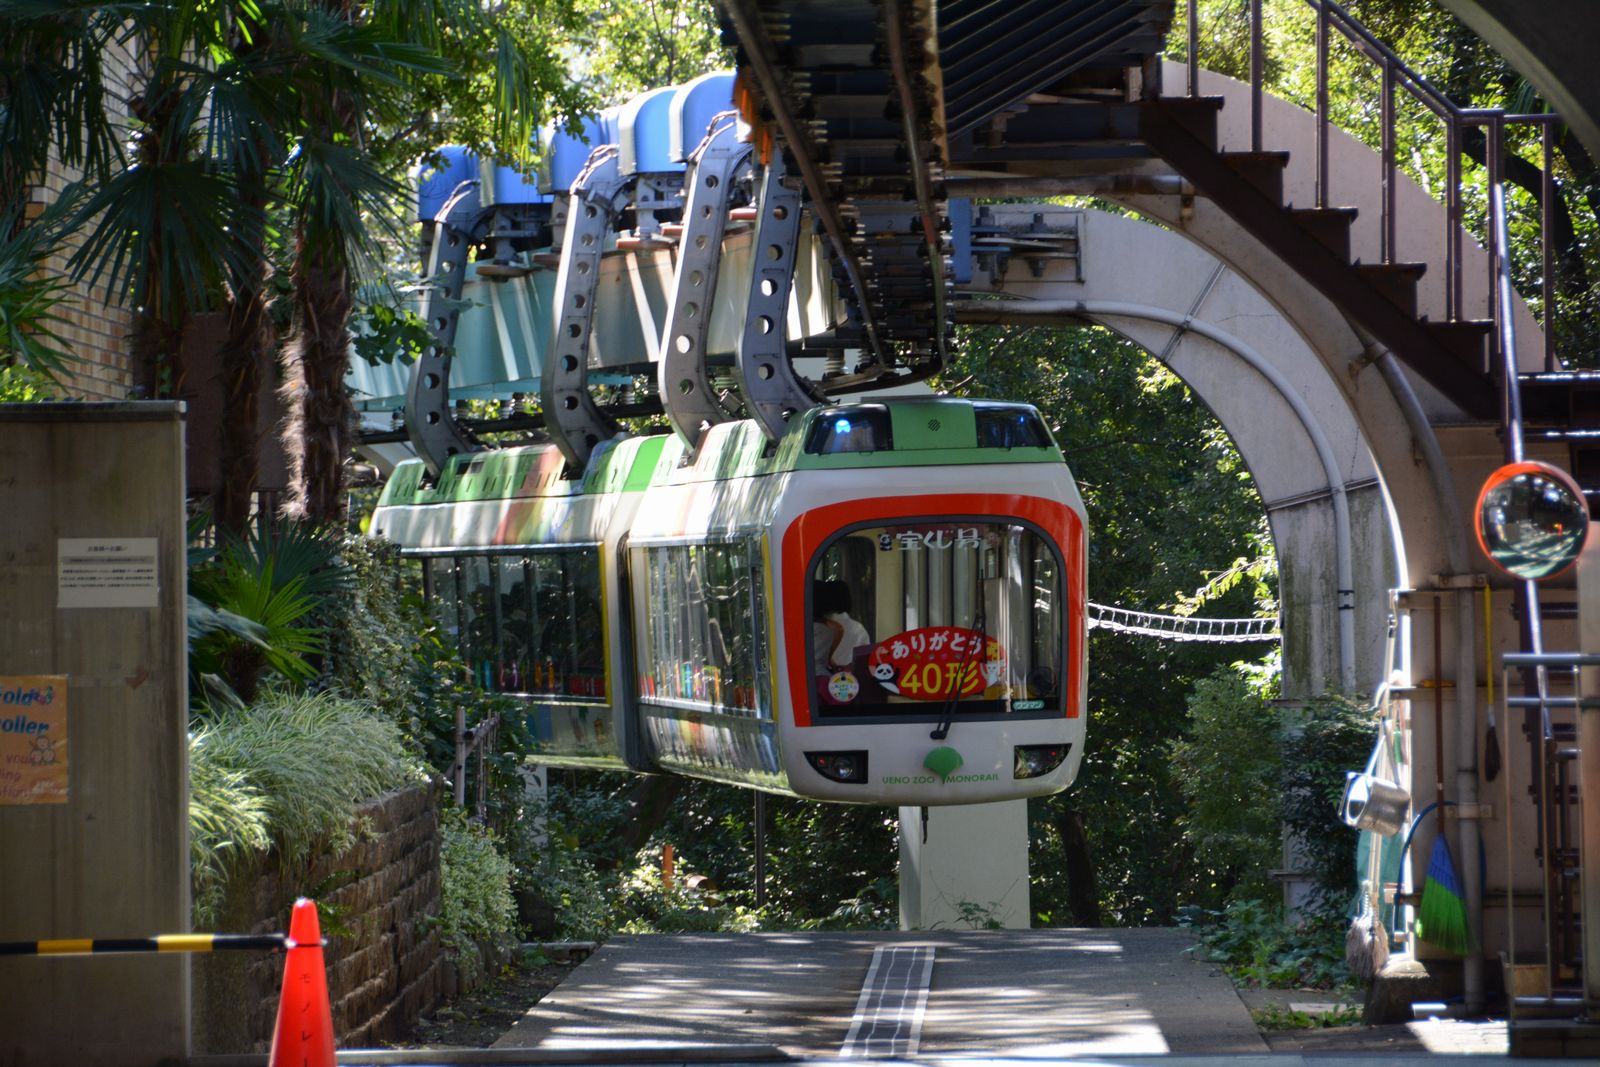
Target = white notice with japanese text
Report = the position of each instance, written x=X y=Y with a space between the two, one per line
x=106 y=572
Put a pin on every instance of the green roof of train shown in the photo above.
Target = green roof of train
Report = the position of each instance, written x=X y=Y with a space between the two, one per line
x=922 y=431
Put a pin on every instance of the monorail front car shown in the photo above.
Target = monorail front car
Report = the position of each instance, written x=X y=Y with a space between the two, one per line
x=886 y=607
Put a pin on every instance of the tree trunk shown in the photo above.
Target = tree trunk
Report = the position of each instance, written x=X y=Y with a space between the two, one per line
x=317 y=435
x=154 y=350
x=1083 y=885
x=649 y=804
x=239 y=363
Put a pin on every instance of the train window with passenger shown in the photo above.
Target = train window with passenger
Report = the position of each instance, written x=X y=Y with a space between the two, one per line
x=965 y=619
x=703 y=642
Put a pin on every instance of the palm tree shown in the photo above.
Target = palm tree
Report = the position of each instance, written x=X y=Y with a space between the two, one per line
x=253 y=119
x=380 y=60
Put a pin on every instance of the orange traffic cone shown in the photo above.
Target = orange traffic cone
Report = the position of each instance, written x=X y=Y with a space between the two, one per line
x=304 y=1034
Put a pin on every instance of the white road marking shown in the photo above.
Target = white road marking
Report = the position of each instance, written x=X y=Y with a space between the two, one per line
x=894 y=998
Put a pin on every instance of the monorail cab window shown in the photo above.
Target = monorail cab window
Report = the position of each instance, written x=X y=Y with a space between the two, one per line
x=937 y=618
x=529 y=623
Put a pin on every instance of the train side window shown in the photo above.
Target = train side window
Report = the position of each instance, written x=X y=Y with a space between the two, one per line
x=702 y=642
x=479 y=627
x=444 y=605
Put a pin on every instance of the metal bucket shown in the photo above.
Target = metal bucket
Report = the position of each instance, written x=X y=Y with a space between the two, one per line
x=1373 y=803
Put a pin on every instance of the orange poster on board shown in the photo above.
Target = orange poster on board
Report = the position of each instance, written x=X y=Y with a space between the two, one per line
x=33 y=739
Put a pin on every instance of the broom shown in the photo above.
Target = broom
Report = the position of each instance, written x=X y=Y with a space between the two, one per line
x=1442 y=916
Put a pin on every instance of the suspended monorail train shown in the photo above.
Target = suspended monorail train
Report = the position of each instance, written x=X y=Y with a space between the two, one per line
x=886 y=607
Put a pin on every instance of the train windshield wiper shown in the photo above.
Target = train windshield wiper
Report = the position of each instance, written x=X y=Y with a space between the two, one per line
x=942 y=731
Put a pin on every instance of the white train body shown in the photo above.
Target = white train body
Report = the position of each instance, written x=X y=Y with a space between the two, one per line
x=951 y=532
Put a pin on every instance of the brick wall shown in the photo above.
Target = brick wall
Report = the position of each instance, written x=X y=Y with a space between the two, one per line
x=385 y=966
x=94 y=327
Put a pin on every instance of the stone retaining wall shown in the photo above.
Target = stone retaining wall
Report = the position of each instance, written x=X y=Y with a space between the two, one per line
x=385 y=965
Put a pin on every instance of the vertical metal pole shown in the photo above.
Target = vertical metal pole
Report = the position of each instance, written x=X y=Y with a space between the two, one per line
x=1492 y=163
x=1388 y=235
x=1194 y=48
x=1547 y=190
x=458 y=769
x=1452 y=218
x=1257 y=65
x=1322 y=105
x=761 y=849
x=1589 y=774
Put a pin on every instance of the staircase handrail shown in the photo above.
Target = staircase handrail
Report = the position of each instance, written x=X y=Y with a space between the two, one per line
x=1398 y=74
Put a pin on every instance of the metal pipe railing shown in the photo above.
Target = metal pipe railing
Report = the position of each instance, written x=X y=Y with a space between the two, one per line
x=1396 y=76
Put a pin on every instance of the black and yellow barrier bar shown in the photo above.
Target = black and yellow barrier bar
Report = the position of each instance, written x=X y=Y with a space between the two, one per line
x=84 y=946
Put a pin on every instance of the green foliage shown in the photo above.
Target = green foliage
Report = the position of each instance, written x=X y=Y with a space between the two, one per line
x=273 y=579
x=1279 y=1017
x=383 y=333
x=644 y=905
x=1333 y=735
x=632 y=47
x=229 y=825
x=313 y=758
x=475 y=902
x=830 y=867
x=20 y=384
x=286 y=773
x=1258 y=948
x=1228 y=765
x=31 y=350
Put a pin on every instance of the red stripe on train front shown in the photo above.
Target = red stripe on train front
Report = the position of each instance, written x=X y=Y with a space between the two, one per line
x=807 y=533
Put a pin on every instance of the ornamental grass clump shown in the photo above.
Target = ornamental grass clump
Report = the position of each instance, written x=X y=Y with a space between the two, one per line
x=285 y=773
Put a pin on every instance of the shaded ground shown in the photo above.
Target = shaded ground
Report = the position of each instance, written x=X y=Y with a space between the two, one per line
x=489 y=1015
x=478 y=1019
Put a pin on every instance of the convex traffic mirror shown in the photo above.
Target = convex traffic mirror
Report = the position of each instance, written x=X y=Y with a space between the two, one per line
x=1532 y=519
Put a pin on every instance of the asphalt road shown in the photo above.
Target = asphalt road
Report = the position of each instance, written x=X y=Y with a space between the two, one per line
x=1018 y=993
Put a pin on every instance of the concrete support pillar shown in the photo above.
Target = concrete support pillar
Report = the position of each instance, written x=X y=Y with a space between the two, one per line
x=92 y=575
x=971 y=871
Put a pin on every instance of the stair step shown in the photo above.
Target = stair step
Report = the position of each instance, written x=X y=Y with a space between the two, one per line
x=1196 y=114
x=1330 y=226
x=1395 y=282
x=1467 y=339
x=1264 y=170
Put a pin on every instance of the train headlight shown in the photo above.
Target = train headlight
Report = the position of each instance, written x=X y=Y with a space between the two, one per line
x=1036 y=761
x=848 y=767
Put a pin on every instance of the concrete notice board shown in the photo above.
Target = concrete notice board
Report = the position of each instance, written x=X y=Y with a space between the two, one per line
x=93 y=724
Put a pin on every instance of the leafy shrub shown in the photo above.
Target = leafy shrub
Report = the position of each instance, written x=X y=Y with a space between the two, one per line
x=475 y=902
x=1334 y=735
x=287 y=771
x=644 y=905
x=384 y=649
x=1228 y=766
x=1258 y=948
x=276 y=577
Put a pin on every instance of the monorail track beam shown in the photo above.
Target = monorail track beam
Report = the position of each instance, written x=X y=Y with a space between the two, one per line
x=574 y=421
x=430 y=423
x=772 y=391
x=687 y=393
